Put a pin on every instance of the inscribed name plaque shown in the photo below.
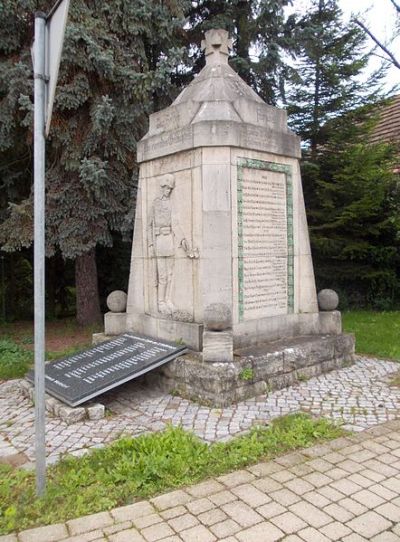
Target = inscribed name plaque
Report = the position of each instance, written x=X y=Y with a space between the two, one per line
x=78 y=378
x=265 y=239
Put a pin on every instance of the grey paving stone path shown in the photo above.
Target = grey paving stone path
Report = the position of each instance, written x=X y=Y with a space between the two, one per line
x=345 y=490
x=359 y=396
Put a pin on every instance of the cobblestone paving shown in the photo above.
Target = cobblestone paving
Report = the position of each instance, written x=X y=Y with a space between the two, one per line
x=358 y=396
x=346 y=490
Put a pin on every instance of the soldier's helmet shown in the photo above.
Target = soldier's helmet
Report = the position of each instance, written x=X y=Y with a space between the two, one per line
x=168 y=180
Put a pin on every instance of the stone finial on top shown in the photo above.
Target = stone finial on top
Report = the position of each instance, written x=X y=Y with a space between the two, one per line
x=216 y=46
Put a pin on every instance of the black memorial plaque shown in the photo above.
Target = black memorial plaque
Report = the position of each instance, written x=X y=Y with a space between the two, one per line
x=78 y=378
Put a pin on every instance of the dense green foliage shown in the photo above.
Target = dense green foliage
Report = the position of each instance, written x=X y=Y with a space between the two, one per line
x=377 y=333
x=135 y=468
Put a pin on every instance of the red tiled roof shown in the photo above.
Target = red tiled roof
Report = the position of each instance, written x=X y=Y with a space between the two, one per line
x=388 y=126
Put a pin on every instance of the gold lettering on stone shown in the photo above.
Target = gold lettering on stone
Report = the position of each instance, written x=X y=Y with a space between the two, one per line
x=264 y=238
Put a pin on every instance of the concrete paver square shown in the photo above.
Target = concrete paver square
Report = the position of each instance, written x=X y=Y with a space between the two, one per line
x=130 y=535
x=197 y=534
x=222 y=497
x=283 y=476
x=267 y=485
x=117 y=527
x=354 y=537
x=50 y=533
x=299 y=486
x=316 y=499
x=386 y=537
x=317 y=479
x=310 y=514
x=338 y=512
x=350 y=466
x=263 y=469
x=368 y=498
x=309 y=534
x=236 y=478
x=181 y=523
x=389 y=511
x=205 y=488
x=372 y=475
x=369 y=524
x=263 y=531
x=157 y=532
x=335 y=530
x=353 y=506
x=225 y=528
x=132 y=511
x=200 y=505
x=212 y=516
x=270 y=510
x=89 y=523
x=242 y=513
x=345 y=486
x=393 y=484
x=171 y=513
x=334 y=457
x=285 y=497
x=336 y=473
x=360 y=480
x=251 y=495
x=320 y=465
x=380 y=468
x=288 y=523
x=170 y=500
x=147 y=521
x=383 y=492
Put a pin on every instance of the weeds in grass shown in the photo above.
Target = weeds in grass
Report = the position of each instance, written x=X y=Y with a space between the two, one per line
x=134 y=468
x=246 y=374
x=14 y=359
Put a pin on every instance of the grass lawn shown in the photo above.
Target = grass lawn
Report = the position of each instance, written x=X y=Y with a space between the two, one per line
x=377 y=333
x=63 y=337
x=132 y=469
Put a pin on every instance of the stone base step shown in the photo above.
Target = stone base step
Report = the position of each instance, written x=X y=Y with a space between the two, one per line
x=255 y=370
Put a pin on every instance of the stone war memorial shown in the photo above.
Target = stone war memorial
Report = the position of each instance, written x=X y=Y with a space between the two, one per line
x=221 y=258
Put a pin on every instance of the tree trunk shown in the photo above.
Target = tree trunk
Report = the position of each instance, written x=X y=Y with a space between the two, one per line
x=87 y=294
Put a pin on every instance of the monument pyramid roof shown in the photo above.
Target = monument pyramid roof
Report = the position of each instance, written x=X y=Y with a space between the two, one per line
x=218 y=108
x=218 y=86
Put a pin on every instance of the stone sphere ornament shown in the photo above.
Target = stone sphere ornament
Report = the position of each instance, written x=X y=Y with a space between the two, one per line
x=328 y=300
x=217 y=317
x=116 y=301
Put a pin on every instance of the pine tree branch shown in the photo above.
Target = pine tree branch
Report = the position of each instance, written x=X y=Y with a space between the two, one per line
x=391 y=56
x=397 y=7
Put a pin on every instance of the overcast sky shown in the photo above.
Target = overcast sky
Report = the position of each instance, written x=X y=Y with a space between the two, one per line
x=379 y=16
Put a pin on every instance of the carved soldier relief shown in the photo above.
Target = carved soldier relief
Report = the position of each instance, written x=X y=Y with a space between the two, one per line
x=165 y=236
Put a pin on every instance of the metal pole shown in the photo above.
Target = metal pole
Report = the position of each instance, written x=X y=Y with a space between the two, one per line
x=39 y=247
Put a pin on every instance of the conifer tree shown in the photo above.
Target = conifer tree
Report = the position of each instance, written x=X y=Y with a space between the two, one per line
x=259 y=34
x=117 y=56
x=355 y=231
x=348 y=184
x=330 y=56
